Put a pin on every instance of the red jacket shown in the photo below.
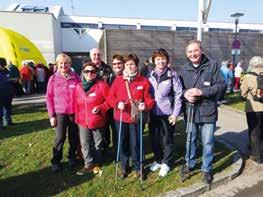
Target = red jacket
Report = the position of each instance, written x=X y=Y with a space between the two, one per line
x=140 y=91
x=84 y=103
x=26 y=73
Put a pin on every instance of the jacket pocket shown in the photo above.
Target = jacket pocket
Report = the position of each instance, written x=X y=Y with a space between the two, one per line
x=207 y=108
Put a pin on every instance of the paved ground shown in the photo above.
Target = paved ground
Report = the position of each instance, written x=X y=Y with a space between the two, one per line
x=232 y=127
x=29 y=99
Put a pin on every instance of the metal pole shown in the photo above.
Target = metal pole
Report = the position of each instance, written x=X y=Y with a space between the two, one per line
x=118 y=153
x=200 y=20
x=234 y=55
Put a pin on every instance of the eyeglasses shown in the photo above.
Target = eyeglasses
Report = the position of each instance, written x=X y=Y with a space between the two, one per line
x=89 y=71
x=117 y=63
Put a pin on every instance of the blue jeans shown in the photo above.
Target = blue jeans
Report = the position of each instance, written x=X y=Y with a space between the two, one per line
x=207 y=131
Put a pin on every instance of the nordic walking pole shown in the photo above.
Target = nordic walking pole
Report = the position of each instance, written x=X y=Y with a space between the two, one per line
x=118 y=153
x=141 y=156
x=189 y=127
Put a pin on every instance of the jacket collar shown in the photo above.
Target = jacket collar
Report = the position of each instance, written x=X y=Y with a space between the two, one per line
x=70 y=75
x=166 y=75
x=203 y=63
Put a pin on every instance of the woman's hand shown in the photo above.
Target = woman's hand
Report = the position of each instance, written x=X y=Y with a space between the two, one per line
x=121 y=106
x=172 y=119
x=141 y=106
x=53 y=121
x=96 y=110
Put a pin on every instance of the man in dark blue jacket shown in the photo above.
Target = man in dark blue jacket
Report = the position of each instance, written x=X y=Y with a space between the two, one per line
x=203 y=84
x=5 y=94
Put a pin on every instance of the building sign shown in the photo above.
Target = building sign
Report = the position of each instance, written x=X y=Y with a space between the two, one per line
x=236 y=44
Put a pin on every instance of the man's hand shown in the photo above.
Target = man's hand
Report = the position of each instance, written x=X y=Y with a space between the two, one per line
x=192 y=94
x=196 y=92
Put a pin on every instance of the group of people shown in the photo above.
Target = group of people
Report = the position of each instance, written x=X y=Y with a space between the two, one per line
x=34 y=78
x=232 y=75
x=15 y=81
x=121 y=98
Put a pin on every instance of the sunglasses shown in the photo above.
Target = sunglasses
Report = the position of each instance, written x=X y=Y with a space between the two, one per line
x=89 y=71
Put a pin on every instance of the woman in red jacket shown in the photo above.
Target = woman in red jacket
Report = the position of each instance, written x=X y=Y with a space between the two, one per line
x=139 y=89
x=90 y=114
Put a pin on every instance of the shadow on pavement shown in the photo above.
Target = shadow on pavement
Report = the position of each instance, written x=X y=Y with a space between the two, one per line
x=238 y=140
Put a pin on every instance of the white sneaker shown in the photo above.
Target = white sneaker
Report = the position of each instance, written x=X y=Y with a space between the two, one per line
x=155 y=166
x=164 y=170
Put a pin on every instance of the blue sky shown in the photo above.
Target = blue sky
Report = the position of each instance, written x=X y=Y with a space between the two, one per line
x=166 y=9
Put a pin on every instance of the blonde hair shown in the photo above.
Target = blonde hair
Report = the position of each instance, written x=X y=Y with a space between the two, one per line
x=63 y=56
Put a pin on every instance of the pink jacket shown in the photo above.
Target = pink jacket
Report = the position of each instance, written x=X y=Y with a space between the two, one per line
x=60 y=92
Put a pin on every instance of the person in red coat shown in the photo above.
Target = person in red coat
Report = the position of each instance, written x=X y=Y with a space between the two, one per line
x=90 y=115
x=139 y=89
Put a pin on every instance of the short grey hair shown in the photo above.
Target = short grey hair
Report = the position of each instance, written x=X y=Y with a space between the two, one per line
x=256 y=61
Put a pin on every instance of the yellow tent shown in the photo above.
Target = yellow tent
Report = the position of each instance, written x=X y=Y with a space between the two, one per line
x=17 y=48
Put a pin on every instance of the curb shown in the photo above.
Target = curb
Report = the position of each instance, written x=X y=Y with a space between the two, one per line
x=32 y=99
x=219 y=179
x=232 y=109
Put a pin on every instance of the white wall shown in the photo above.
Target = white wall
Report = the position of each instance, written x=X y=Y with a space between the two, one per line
x=36 y=27
x=74 y=42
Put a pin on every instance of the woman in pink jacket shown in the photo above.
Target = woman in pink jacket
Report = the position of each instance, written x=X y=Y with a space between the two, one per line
x=60 y=92
x=90 y=114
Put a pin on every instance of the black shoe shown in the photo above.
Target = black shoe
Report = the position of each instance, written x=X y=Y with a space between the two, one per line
x=56 y=168
x=185 y=172
x=207 y=178
x=72 y=163
x=10 y=124
x=124 y=174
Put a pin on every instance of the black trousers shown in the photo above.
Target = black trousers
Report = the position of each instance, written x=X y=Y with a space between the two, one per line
x=110 y=134
x=161 y=134
x=255 y=130
x=65 y=122
x=129 y=144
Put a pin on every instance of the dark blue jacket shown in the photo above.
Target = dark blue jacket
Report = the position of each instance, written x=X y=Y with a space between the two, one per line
x=4 y=79
x=208 y=78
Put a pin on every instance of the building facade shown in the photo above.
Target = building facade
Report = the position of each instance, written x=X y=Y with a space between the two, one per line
x=53 y=32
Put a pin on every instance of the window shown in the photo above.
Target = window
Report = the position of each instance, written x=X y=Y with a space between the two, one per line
x=249 y=31
x=117 y=26
x=79 y=25
x=34 y=9
x=220 y=30
x=186 y=29
x=149 y=27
